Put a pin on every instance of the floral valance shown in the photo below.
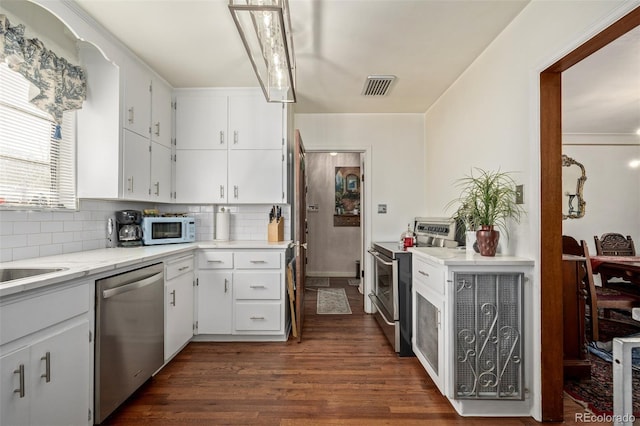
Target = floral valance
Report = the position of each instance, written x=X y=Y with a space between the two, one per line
x=60 y=85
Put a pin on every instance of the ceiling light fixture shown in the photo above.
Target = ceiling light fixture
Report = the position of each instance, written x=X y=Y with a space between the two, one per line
x=265 y=29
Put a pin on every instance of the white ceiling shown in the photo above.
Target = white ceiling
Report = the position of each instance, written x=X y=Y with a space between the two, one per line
x=427 y=44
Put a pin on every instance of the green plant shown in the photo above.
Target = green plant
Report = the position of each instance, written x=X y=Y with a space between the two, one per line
x=487 y=199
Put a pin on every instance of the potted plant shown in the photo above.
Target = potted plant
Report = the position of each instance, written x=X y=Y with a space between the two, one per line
x=487 y=200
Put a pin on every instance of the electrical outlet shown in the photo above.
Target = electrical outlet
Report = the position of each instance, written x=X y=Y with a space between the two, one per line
x=519 y=194
x=382 y=208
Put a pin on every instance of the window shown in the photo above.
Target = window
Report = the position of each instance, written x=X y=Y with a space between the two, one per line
x=37 y=170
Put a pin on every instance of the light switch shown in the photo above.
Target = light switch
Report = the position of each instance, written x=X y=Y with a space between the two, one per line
x=519 y=194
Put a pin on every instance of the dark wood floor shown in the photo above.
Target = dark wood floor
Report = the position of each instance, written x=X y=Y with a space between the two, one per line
x=343 y=373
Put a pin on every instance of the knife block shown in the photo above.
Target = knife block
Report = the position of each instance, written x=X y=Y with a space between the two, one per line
x=275 y=231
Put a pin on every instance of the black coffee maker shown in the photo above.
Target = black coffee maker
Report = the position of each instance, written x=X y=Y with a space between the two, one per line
x=128 y=229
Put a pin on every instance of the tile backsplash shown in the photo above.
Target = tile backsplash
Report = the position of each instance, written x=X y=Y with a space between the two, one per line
x=30 y=234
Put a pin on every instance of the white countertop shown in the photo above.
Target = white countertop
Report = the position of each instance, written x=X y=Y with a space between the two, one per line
x=81 y=264
x=458 y=257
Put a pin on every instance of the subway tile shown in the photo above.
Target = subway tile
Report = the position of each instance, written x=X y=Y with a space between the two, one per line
x=61 y=237
x=72 y=247
x=12 y=215
x=26 y=252
x=6 y=228
x=50 y=249
x=53 y=226
x=70 y=226
x=39 y=239
x=39 y=216
x=13 y=241
x=6 y=255
x=26 y=227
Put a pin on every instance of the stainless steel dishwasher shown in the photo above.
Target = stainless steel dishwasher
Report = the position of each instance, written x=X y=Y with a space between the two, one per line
x=129 y=335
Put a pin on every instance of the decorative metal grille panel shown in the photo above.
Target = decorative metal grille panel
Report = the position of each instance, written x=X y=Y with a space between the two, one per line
x=427 y=331
x=489 y=341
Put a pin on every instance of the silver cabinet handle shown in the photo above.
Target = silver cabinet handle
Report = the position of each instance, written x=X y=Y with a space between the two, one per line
x=226 y=285
x=221 y=191
x=130 y=180
x=235 y=137
x=183 y=268
x=235 y=191
x=173 y=301
x=132 y=286
x=423 y=273
x=157 y=126
x=214 y=261
x=257 y=318
x=257 y=286
x=47 y=366
x=221 y=137
x=157 y=185
x=131 y=115
x=20 y=372
x=257 y=261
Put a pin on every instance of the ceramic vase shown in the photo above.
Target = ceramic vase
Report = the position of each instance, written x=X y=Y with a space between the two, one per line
x=487 y=240
x=470 y=241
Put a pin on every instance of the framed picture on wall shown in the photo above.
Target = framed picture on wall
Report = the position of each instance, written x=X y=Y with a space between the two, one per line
x=347 y=197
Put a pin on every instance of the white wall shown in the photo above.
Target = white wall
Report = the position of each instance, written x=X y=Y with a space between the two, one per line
x=611 y=191
x=489 y=118
x=395 y=146
x=333 y=250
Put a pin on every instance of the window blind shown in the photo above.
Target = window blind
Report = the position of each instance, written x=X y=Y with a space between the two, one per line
x=36 y=169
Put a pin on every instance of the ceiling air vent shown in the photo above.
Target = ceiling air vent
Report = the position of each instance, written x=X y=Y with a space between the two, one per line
x=377 y=85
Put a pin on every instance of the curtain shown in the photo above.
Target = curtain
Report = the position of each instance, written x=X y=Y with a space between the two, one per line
x=59 y=86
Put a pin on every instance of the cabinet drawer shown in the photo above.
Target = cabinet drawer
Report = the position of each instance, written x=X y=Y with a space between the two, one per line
x=257 y=316
x=27 y=316
x=256 y=285
x=429 y=275
x=215 y=260
x=178 y=267
x=258 y=260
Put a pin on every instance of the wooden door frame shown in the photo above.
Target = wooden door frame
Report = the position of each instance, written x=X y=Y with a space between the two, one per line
x=551 y=213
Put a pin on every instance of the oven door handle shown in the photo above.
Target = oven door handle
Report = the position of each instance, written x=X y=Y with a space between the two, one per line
x=380 y=310
x=379 y=259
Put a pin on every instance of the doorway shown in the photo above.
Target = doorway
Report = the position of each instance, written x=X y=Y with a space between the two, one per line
x=335 y=212
x=551 y=212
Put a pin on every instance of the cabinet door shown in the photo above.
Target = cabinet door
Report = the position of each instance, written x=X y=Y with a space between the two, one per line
x=201 y=121
x=59 y=391
x=160 y=113
x=428 y=335
x=255 y=176
x=14 y=408
x=136 y=166
x=160 y=173
x=254 y=123
x=179 y=325
x=215 y=302
x=201 y=176
x=137 y=99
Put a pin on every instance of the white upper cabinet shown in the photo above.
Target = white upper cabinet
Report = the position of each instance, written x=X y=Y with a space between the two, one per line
x=136 y=89
x=201 y=120
x=160 y=112
x=124 y=132
x=229 y=147
x=254 y=123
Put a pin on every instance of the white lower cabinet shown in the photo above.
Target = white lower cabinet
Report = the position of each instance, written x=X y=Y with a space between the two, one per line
x=215 y=302
x=179 y=278
x=469 y=330
x=45 y=374
x=240 y=295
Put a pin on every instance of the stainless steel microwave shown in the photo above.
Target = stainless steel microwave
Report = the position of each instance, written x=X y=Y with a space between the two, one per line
x=168 y=230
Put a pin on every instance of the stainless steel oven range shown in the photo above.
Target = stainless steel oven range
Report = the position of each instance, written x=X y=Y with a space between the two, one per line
x=391 y=293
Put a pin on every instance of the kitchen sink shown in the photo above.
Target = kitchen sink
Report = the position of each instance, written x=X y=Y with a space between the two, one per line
x=10 y=274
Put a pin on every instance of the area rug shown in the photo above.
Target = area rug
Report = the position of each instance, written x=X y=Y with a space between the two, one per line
x=604 y=350
x=597 y=392
x=332 y=301
x=316 y=281
x=354 y=282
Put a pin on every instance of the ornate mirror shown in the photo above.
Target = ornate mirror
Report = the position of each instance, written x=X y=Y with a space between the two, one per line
x=573 y=178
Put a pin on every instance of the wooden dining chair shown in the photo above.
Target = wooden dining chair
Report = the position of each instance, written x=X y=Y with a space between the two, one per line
x=614 y=244
x=599 y=298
